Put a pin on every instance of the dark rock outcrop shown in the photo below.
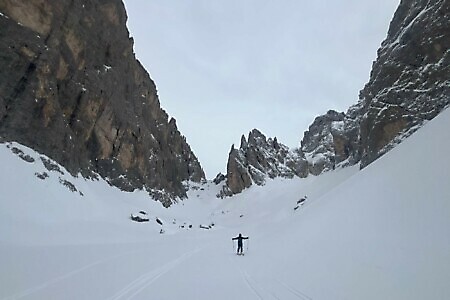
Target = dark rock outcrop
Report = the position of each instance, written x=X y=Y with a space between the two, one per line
x=219 y=178
x=324 y=143
x=258 y=158
x=71 y=88
x=140 y=217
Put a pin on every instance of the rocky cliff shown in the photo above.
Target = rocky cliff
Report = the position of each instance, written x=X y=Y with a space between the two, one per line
x=409 y=84
x=71 y=88
x=410 y=80
x=258 y=158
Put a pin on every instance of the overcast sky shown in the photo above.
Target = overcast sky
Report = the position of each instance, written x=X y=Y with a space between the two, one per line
x=225 y=67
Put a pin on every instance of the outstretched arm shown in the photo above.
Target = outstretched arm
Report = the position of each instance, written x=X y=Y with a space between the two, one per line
x=245 y=238
x=235 y=238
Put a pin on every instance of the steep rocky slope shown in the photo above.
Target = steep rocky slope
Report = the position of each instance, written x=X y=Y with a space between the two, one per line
x=258 y=158
x=410 y=80
x=71 y=88
x=409 y=84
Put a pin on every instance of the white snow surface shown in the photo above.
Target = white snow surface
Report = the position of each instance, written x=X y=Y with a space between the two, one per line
x=379 y=233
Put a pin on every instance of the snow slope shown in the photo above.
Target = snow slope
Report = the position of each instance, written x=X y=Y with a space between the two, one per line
x=379 y=233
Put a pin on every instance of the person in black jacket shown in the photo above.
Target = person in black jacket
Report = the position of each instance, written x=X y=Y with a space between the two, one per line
x=240 y=243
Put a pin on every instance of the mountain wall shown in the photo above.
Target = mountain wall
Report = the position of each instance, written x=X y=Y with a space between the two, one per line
x=410 y=80
x=71 y=88
x=409 y=84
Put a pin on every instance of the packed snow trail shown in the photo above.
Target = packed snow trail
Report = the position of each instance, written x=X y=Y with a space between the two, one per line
x=114 y=271
x=144 y=281
x=151 y=271
x=72 y=273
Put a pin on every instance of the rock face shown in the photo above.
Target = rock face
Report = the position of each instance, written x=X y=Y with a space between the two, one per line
x=71 y=87
x=410 y=80
x=409 y=84
x=258 y=158
x=324 y=143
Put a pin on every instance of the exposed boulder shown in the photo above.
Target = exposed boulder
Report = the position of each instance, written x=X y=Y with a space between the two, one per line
x=140 y=217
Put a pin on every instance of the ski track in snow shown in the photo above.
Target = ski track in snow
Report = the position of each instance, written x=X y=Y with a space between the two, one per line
x=294 y=291
x=142 y=282
x=252 y=283
x=249 y=284
x=259 y=290
x=67 y=275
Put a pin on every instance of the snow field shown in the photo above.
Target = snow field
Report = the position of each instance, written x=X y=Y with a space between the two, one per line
x=379 y=233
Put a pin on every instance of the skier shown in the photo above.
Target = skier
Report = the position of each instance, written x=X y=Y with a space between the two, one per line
x=240 y=243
